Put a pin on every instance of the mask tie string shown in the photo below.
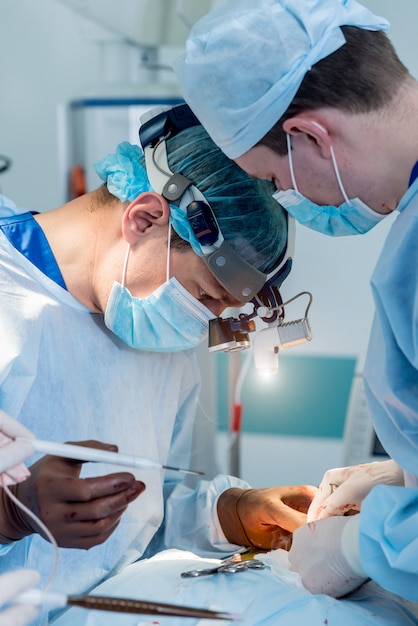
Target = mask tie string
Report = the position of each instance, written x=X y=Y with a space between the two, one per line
x=125 y=264
x=168 y=251
x=289 y=152
x=334 y=163
x=337 y=174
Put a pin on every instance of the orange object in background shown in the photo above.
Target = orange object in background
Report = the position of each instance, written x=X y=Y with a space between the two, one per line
x=77 y=183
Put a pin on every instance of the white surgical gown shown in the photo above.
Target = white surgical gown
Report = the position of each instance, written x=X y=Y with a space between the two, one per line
x=389 y=516
x=68 y=378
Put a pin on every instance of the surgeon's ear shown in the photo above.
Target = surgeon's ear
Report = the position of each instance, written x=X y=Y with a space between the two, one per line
x=149 y=210
x=311 y=129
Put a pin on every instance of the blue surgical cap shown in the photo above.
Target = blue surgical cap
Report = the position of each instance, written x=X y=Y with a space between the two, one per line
x=245 y=61
x=126 y=178
x=123 y=172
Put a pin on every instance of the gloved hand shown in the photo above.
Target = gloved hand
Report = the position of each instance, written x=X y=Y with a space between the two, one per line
x=264 y=518
x=344 y=488
x=326 y=555
x=13 y=452
x=11 y=585
x=79 y=512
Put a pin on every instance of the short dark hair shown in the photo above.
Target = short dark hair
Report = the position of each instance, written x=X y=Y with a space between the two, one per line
x=362 y=76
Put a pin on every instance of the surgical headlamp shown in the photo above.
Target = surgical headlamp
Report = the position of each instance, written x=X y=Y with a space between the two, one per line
x=234 y=273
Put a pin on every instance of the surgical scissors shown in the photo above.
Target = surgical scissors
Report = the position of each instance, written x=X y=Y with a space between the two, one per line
x=229 y=566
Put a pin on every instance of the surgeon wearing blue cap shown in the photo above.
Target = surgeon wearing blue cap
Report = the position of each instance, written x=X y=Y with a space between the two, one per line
x=311 y=95
x=103 y=301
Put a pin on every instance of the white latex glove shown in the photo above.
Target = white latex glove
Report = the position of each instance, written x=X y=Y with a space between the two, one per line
x=10 y=586
x=344 y=488
x=13 y=452
x=326 y=556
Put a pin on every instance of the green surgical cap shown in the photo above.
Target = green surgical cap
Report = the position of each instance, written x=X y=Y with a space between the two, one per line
x=245 y=61
x=251 y=221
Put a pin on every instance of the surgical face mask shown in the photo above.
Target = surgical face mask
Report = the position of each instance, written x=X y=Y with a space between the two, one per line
x=352 y=217
x=168 y=320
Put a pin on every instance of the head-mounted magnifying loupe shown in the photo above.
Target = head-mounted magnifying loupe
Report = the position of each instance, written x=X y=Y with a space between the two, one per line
x=246 y=283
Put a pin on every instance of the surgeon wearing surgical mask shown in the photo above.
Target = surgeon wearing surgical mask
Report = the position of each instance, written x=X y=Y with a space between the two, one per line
x=352 y=217
x=311 y=95
x=173 y=315
x=102 y=302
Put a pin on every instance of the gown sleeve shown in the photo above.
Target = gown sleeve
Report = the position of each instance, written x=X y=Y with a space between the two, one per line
x=389 y=515
x=389 y=539
x=191 y=521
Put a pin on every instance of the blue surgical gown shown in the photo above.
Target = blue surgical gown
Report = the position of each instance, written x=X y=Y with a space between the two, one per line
x=68 y=378
x=389 y=515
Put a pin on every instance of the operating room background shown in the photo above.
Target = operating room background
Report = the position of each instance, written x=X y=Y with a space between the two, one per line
x=293 y=423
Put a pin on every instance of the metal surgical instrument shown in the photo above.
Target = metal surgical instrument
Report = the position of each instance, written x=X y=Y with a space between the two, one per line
x=51 y=599
x=226 y=567
x=71 y=451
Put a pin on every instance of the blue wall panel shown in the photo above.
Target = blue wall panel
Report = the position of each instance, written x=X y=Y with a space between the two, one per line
x=307 y=398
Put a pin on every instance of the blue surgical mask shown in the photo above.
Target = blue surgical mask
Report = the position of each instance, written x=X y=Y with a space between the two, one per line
x=352 y=217
x=168 y=320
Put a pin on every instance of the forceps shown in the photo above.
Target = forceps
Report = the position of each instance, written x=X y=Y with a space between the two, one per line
x=230 y=566
x=52 y=599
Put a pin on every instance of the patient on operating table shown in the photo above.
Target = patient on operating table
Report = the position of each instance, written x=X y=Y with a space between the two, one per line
x=269 y=596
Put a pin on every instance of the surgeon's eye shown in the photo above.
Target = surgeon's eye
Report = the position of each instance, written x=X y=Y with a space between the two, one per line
x=203 y=294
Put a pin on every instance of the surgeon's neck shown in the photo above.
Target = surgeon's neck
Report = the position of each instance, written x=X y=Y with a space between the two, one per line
x=80 y=237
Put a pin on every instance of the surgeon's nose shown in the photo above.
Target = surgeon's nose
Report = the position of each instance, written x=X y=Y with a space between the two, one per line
x=216 y=307
x=219 y=306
